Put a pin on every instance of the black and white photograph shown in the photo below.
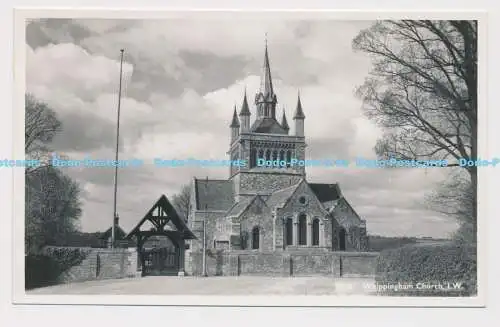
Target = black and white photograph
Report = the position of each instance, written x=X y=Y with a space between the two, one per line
x=243 y=154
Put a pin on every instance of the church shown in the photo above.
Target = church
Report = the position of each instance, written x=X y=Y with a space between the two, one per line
x=270 y=209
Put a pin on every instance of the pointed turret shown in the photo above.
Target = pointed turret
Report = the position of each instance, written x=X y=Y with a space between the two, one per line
x=299 y=113
x=299 y=118
x=245 y=115
x=235 y=126
x=284 y=123
x=235 y=122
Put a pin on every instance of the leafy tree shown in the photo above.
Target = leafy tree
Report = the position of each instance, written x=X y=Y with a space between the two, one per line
x=52 y=207
x=423 y=91
x=182 y=202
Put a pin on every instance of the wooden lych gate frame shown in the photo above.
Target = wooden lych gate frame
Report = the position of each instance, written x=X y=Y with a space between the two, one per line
x=160 y=214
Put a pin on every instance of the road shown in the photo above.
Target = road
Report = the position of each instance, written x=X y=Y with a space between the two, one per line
x=242 y=285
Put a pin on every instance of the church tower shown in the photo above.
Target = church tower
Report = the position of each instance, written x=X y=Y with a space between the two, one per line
x=266 y=139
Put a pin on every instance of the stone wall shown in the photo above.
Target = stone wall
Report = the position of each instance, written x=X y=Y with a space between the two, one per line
x=103 y=264
x=314 y=263
x=263 y=181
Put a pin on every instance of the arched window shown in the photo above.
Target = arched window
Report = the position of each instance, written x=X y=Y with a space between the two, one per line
x=315 y=232
x=261 y=154
x=342 y=235
x=288 y=157
x=253 y=158
x=268 y=154
x=302 y=229
x=282 y=155
x=255 y=238
x=275 y=155
x=289 y=231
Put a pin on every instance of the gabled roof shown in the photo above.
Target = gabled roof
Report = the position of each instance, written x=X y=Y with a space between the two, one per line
x=326 y=192
x=167 y=211
x=211 y=194
x=238 y=208
x=267 y=125
x=279 y=198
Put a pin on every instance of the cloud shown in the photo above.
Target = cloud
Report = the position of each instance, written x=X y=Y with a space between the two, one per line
x=182 y=79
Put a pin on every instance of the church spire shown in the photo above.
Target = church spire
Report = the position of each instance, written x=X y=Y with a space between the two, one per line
x=245 y=111
x=299 y=113
x=266 y=99
x=235 y=122
x=266 y=87
x=284 y=123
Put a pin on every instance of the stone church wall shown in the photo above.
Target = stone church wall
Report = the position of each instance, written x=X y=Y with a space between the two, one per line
x=263 y=182
x=258 y=215
x=210 y=218
x=252 y=263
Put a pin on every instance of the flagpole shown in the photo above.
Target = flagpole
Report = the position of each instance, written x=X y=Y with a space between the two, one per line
x=115 y=214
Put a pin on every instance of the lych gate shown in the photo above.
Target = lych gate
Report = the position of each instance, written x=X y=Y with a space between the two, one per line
x=162 y=258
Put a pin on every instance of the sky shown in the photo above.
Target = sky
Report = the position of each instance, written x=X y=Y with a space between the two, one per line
x=181 y=80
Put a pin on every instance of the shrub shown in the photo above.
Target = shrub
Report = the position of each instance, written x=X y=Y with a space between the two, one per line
x=426 y=270
x=46 y=268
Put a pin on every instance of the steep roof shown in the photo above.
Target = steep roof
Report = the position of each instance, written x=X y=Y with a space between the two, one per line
x=279 y=198
x=267 y=125
x=326 y=192
x=214 y=194
x=167 y=210
x=240 y=206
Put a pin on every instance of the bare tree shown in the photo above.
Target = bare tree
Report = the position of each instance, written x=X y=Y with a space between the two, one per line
x=423 y=90
x=41 y=125
x=455 y=198
x=182 y=202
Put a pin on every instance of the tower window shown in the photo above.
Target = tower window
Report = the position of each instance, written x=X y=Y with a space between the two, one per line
x=288 y=157
x=253 y=158
x=268 y=154
x=261 y=154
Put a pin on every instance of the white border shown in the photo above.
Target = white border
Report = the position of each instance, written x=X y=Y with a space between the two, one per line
x=19 y=296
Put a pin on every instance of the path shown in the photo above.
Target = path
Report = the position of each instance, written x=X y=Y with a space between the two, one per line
x=243 y=285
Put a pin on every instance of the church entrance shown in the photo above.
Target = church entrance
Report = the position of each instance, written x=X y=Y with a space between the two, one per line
x=160 y=257
x=160 y=237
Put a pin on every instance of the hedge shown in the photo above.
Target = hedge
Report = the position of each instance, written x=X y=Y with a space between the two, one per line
x=440 y=269
x=47 y=267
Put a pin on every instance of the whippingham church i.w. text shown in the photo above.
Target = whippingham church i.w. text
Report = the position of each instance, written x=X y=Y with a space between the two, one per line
x=271 y=209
